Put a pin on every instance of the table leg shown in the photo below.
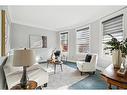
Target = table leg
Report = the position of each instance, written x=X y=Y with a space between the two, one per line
x=61 y=67
x=109 y=86
x=47 y=64
x=54 y=68
x=117 y=87
x=66 y=59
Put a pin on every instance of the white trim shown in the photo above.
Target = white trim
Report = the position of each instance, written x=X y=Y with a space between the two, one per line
x=89 y=37
x=71 y=60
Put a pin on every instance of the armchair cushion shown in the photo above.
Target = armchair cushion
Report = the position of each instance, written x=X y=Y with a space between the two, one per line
x=88 y=58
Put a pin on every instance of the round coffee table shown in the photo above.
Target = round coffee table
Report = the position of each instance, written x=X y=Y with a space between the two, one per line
x=30 y=85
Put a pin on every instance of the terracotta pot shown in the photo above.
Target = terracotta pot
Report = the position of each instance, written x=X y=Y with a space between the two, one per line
x=116 y=58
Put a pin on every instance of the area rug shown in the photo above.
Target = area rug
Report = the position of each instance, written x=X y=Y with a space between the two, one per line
x=62 y=79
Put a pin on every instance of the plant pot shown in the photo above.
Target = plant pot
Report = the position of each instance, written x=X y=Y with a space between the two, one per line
x=116 y=58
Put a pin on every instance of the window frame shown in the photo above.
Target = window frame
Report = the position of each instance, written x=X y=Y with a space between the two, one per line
x=76 y=38
x=67 y=40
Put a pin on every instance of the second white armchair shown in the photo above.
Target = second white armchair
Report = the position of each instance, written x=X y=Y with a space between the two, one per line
x=87 y=66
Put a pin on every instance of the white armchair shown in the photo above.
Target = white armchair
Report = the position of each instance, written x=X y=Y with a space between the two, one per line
x=87 y=66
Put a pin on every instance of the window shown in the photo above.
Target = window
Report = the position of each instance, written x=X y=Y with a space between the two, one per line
x=113 y=26
x=7 y=36
x=64 y=41
x=82 y=40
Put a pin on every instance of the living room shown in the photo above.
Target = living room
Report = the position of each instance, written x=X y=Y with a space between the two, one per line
x=73 y=30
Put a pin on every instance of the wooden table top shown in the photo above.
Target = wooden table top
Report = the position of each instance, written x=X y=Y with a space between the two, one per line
x=54 y=61
x=111 y=73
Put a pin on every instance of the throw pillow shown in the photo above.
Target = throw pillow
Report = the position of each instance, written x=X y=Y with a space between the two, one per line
x=88 y=58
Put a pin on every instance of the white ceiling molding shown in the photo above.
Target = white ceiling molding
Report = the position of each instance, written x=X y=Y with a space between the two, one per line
x=58 y=17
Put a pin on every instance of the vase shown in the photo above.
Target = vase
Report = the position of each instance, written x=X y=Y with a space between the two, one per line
x=116 y=58
x=126 y=62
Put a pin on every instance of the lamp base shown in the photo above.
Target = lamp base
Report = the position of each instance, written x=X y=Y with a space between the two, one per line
x=23 y=81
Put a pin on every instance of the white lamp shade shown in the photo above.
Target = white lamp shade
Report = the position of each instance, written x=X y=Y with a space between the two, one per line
x=24 y=58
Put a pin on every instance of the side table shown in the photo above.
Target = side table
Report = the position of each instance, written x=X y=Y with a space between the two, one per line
x=55 y=63
x=30 y=85
x=111 y=77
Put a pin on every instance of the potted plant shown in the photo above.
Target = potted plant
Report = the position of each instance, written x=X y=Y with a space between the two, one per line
x=118 y=50
x=123 y=48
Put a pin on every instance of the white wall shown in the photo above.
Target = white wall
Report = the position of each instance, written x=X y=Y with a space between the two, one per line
x=95 y=40
x=20 y=38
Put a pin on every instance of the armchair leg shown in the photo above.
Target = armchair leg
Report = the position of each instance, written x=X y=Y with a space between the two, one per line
x=81 y=73
x=47 y=65
x=93 y=72
x=45 y=85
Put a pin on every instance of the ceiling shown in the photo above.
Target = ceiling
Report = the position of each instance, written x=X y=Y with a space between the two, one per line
x=58 y=17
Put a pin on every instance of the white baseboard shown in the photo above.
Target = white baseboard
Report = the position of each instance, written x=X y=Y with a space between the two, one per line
x=100 y=68
x=71 y=60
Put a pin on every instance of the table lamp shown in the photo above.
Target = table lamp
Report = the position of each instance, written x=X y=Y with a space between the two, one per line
x=24 y=58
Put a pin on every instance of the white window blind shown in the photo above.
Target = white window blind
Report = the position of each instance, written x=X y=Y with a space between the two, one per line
x=113 y=26
x=82 y=40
